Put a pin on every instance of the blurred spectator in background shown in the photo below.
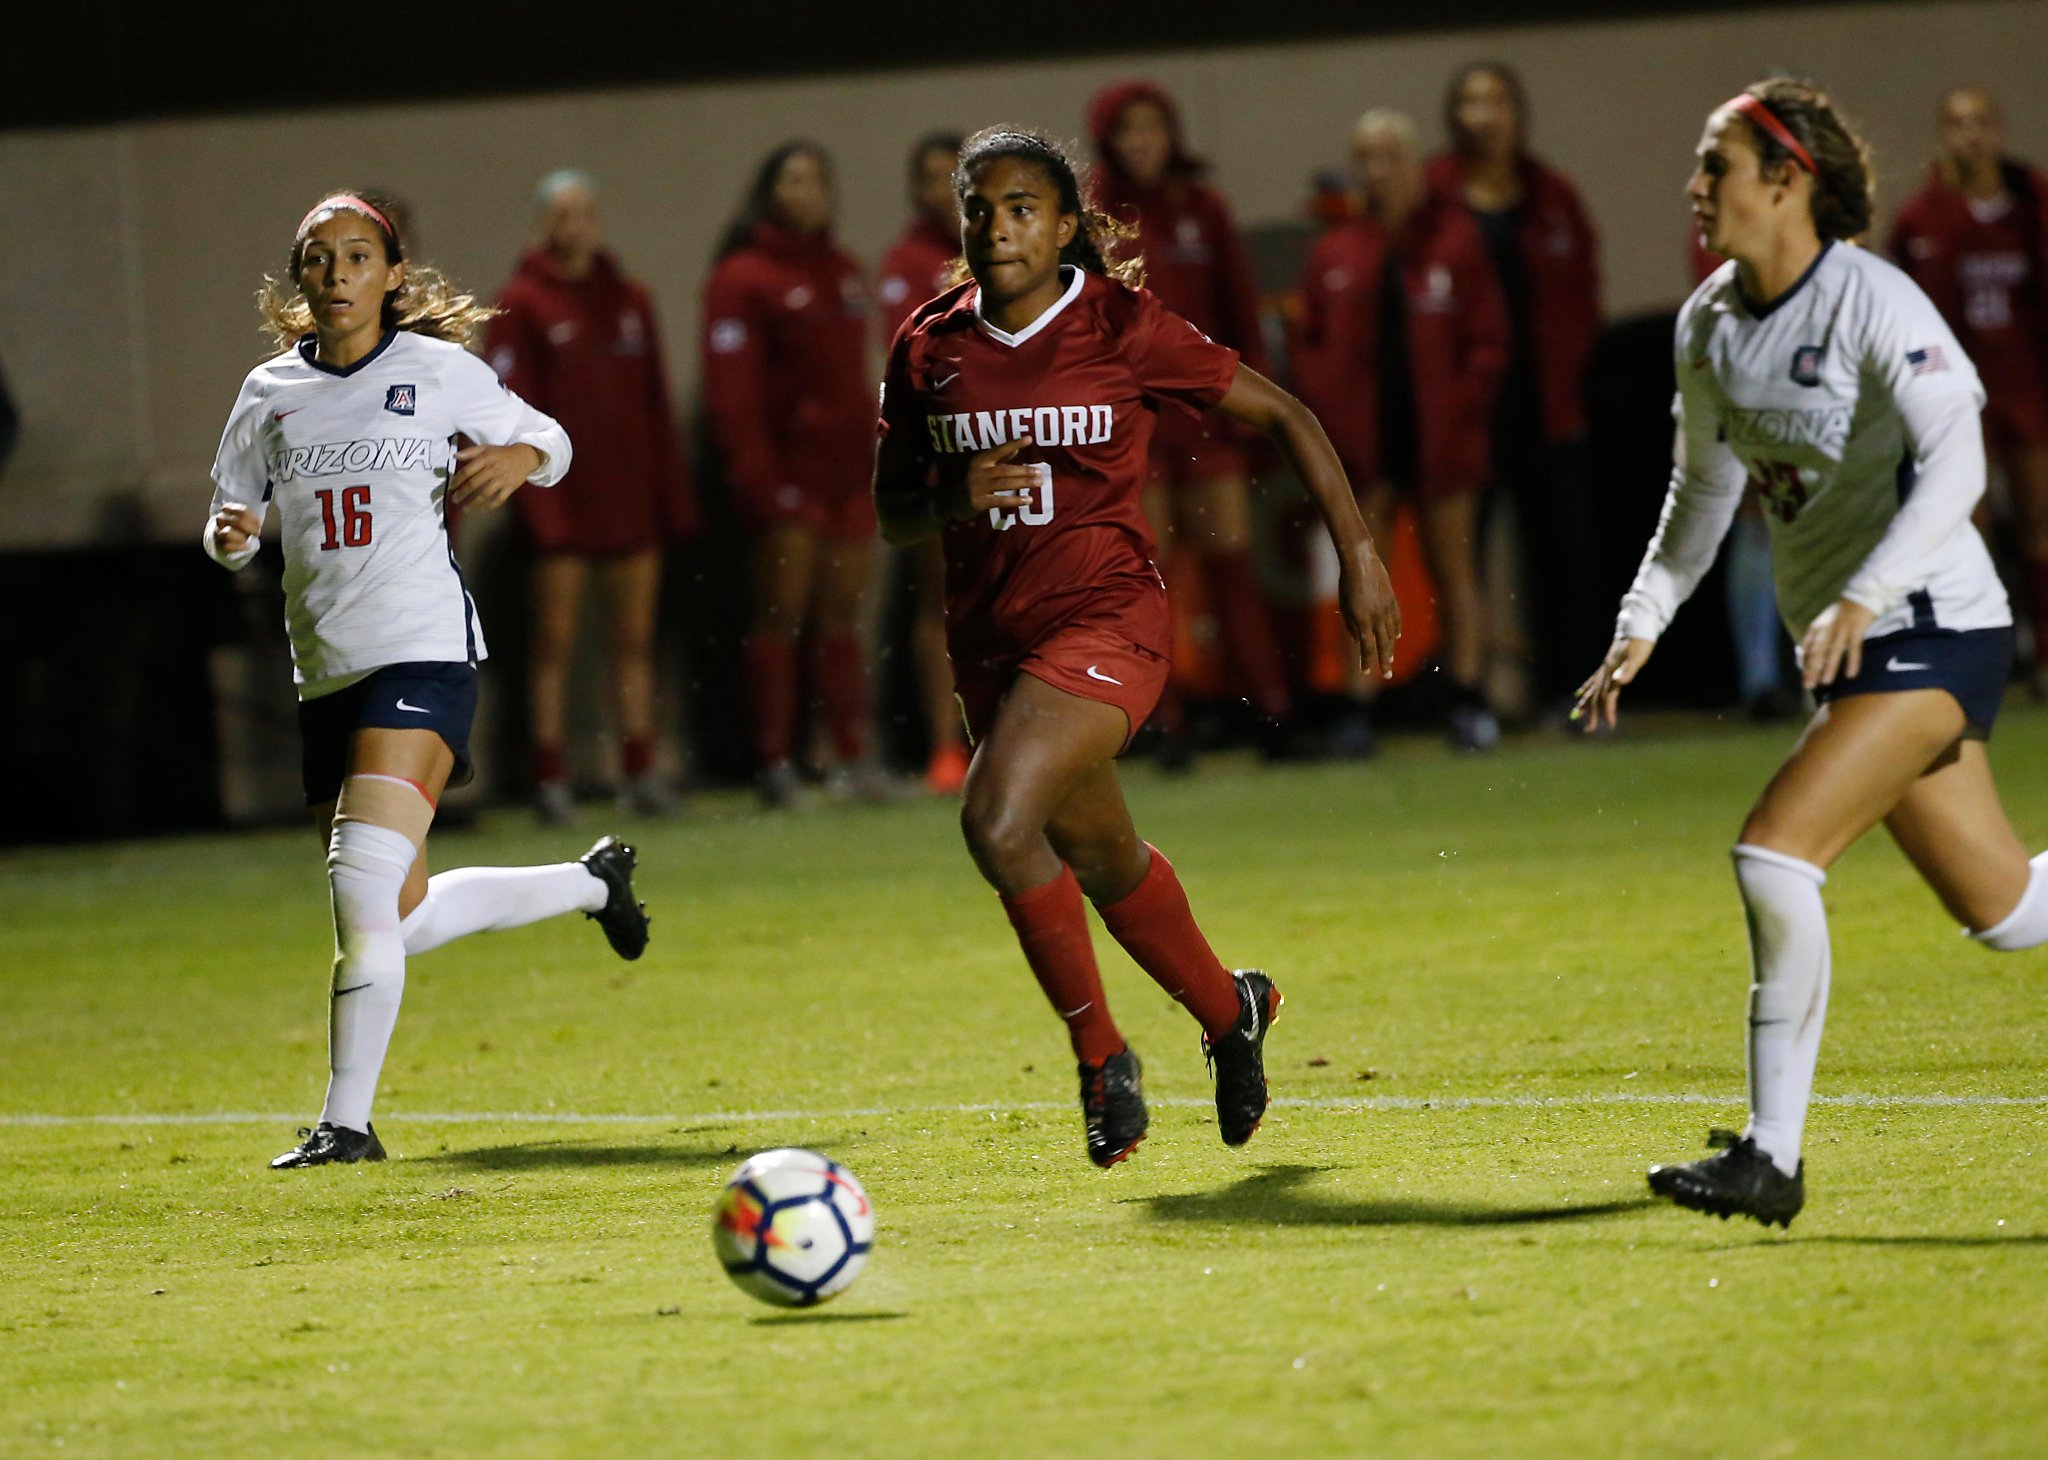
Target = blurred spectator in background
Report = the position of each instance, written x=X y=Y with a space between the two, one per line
x=1199 y=496
x=790 y=400
x=1547 y=259
x=1975 y=237
x=917 y=268
x=577 y=338
x=1403 y=343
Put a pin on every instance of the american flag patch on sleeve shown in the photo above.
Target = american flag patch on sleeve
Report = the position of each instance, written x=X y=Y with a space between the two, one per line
x=1927 y=361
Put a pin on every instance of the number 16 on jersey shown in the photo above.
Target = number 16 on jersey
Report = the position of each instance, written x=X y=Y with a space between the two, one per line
x=1037 y=509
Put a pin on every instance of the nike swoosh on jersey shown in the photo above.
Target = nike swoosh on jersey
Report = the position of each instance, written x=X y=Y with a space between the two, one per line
x=413 y=709
x=280 y=415
x=1094 y=673
x=1896 y=667
x=938 y=384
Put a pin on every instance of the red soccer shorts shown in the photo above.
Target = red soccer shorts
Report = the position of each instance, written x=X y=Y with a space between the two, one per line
x=1092 y=660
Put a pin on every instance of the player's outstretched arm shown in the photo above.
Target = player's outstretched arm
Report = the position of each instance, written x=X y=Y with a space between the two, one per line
x=1365 y=593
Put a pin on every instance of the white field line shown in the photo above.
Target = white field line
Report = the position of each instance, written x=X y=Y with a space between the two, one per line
x=1337 y=1104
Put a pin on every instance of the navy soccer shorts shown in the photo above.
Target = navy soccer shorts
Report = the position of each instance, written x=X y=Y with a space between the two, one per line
x=1971 y=664
x=433 y=695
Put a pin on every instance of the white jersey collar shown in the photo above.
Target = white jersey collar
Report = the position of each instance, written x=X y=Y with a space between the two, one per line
x=1003 y=336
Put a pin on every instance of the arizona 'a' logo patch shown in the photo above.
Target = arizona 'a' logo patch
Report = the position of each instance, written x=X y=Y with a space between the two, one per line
x=1806 y=365
x=399 y=399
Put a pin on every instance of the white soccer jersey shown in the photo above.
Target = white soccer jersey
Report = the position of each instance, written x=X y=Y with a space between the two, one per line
x=349 y=466
x=1853 y=410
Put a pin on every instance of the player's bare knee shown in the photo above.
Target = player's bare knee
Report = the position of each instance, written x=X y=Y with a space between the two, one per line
x=997 y=834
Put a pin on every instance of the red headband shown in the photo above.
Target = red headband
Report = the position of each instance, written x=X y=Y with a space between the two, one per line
x=1762 y=116
x=351 y=202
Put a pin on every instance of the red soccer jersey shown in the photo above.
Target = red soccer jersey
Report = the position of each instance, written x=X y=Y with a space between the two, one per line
x=1082 y=384
x=1982 y=264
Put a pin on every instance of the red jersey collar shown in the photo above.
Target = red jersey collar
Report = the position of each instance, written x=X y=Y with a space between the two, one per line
x=1052 y=312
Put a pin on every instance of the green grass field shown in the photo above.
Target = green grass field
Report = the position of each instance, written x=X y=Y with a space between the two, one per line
x=1512 y=983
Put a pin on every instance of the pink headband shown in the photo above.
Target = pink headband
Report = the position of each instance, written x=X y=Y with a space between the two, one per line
x=1763 y=117
x=351 y=202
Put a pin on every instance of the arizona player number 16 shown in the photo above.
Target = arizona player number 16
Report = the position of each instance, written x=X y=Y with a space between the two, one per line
x=1036 y=511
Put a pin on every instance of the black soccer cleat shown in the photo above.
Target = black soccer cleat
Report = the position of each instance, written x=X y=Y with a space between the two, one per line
x=330 y=1145
x=623 y=917
x=1113 y=1107
x=1740 y=1181
x=1237 y=1060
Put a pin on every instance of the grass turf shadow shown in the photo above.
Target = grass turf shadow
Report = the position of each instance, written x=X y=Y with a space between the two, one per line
x=555 y=1155
x=787 y=1320
x=1275 y=1196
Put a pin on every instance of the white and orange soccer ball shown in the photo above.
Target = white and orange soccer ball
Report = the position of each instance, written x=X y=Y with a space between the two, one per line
x=793 y=1227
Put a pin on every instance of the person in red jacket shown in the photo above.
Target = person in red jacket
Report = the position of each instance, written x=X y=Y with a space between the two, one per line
x=1199 y=497
x=1402 y=345
x=1975 y=237
x=919 y=266
x=1547 y=258
x=790 y=401
x=578 y=339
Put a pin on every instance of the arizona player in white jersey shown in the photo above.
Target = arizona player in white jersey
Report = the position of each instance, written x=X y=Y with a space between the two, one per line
x=345 y=446
x=1822 y=375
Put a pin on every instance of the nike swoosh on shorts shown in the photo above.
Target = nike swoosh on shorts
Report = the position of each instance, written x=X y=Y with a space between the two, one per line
x=1094 y=673
x=413 y=709
x=1896 y=667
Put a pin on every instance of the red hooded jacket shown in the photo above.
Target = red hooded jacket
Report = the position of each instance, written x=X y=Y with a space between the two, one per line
x=1195 y=263
x=1561 y=255
x=787 y=386
x=587 y=352
x=1458 y=342
x=917 y=268
x=1989 y=280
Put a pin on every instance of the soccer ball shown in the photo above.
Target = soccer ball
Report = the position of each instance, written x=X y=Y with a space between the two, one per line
x=793 y=1227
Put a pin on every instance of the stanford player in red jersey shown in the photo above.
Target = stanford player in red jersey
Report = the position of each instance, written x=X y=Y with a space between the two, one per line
x=1016 y=419
x=1975 y=237
x=916 y=268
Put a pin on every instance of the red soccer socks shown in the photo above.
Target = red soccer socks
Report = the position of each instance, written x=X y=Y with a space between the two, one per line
x=1052 y=928
x=1156 y=927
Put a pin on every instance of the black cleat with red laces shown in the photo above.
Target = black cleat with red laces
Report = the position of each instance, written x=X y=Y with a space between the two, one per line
x=1113 y=1106
x=1238 y=1060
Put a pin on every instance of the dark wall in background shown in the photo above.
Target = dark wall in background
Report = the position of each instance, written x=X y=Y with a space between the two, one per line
x=116 y=60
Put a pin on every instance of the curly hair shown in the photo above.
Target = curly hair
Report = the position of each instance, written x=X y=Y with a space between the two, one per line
x=1844 y=189
x=1100 y=244
x=427 y=303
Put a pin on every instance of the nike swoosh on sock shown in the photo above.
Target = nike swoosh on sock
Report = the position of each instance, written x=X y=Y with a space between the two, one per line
x=352 y=988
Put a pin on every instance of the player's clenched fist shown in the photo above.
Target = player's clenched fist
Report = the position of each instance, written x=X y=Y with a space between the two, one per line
x=235 y=527
x=994 y=480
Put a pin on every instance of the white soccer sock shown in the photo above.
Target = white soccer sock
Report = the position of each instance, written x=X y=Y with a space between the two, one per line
x=1788 y=999
x=488 y=899
x=2026 y=925
x=366 y=867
